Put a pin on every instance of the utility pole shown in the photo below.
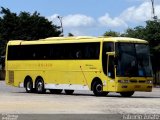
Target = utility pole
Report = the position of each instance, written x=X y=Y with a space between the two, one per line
x=153 y=11
x=60 y=19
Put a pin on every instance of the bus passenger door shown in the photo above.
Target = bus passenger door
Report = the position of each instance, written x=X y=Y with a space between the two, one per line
x=111 y=73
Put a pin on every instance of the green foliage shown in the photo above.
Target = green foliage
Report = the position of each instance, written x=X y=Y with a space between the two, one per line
x=24 y=26
x=70 y=34
x=157 y=48
x=111 y=33
x=137 y=32
x=153 y=33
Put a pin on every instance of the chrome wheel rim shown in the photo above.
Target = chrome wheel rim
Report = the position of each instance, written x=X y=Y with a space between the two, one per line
x=28 y=86
x=99 y=88
x=39 y=86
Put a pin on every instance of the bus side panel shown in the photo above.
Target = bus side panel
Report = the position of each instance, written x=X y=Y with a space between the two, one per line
x=70 y=72
x=80 y=72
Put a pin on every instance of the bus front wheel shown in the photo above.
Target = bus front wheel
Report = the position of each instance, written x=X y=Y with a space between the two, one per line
x=98 y=89
x=40 y=86
x=126 y=94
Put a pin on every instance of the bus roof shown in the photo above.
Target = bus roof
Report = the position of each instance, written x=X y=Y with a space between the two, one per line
x=125 y=39
x=78 y=39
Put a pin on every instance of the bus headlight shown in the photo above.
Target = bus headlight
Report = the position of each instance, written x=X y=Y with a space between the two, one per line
x=149 y=81
x=123 y=81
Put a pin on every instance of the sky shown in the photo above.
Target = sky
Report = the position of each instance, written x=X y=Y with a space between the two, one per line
x=89 y=17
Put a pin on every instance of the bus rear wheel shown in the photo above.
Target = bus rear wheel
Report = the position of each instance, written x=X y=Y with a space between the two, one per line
x=56 y=91
x=40 y=86
x=69 y=92
x=126 y=94
x=29 y=86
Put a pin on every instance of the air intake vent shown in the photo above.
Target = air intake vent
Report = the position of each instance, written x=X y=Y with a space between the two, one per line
x=142 y=81
x=133 y=81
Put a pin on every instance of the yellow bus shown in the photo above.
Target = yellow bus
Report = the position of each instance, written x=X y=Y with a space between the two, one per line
x=99 y=64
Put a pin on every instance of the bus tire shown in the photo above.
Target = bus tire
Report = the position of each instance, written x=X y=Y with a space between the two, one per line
x=29 y=86
x=98 y=89
x=126 y=94
x=56 y=91
x=69 y=92
x=40 y=86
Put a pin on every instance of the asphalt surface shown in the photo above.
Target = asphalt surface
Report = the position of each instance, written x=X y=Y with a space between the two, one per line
x=17 y=101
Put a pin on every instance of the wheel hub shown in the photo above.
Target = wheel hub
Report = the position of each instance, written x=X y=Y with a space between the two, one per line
x=99 y=88
x=39 y=86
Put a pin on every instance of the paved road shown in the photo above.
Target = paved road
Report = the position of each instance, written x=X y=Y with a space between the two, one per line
x=15 y=100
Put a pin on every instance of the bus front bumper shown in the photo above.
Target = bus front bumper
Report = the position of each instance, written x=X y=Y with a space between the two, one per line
x=123 y=87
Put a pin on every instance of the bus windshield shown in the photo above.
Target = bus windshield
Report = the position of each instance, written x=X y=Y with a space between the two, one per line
x=133 y=60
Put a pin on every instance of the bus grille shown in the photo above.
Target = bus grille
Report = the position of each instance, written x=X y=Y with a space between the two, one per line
x=142 y=81
x=133 y=81
x=11 y=77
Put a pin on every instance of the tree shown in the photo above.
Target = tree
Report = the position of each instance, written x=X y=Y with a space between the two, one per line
x=70 y=35
x=153 y=33
x=137 y=32
x=153 y=36
x=24 y=26
x=111 y=33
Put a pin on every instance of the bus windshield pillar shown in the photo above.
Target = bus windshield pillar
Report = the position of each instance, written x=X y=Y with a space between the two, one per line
x=111 y=65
